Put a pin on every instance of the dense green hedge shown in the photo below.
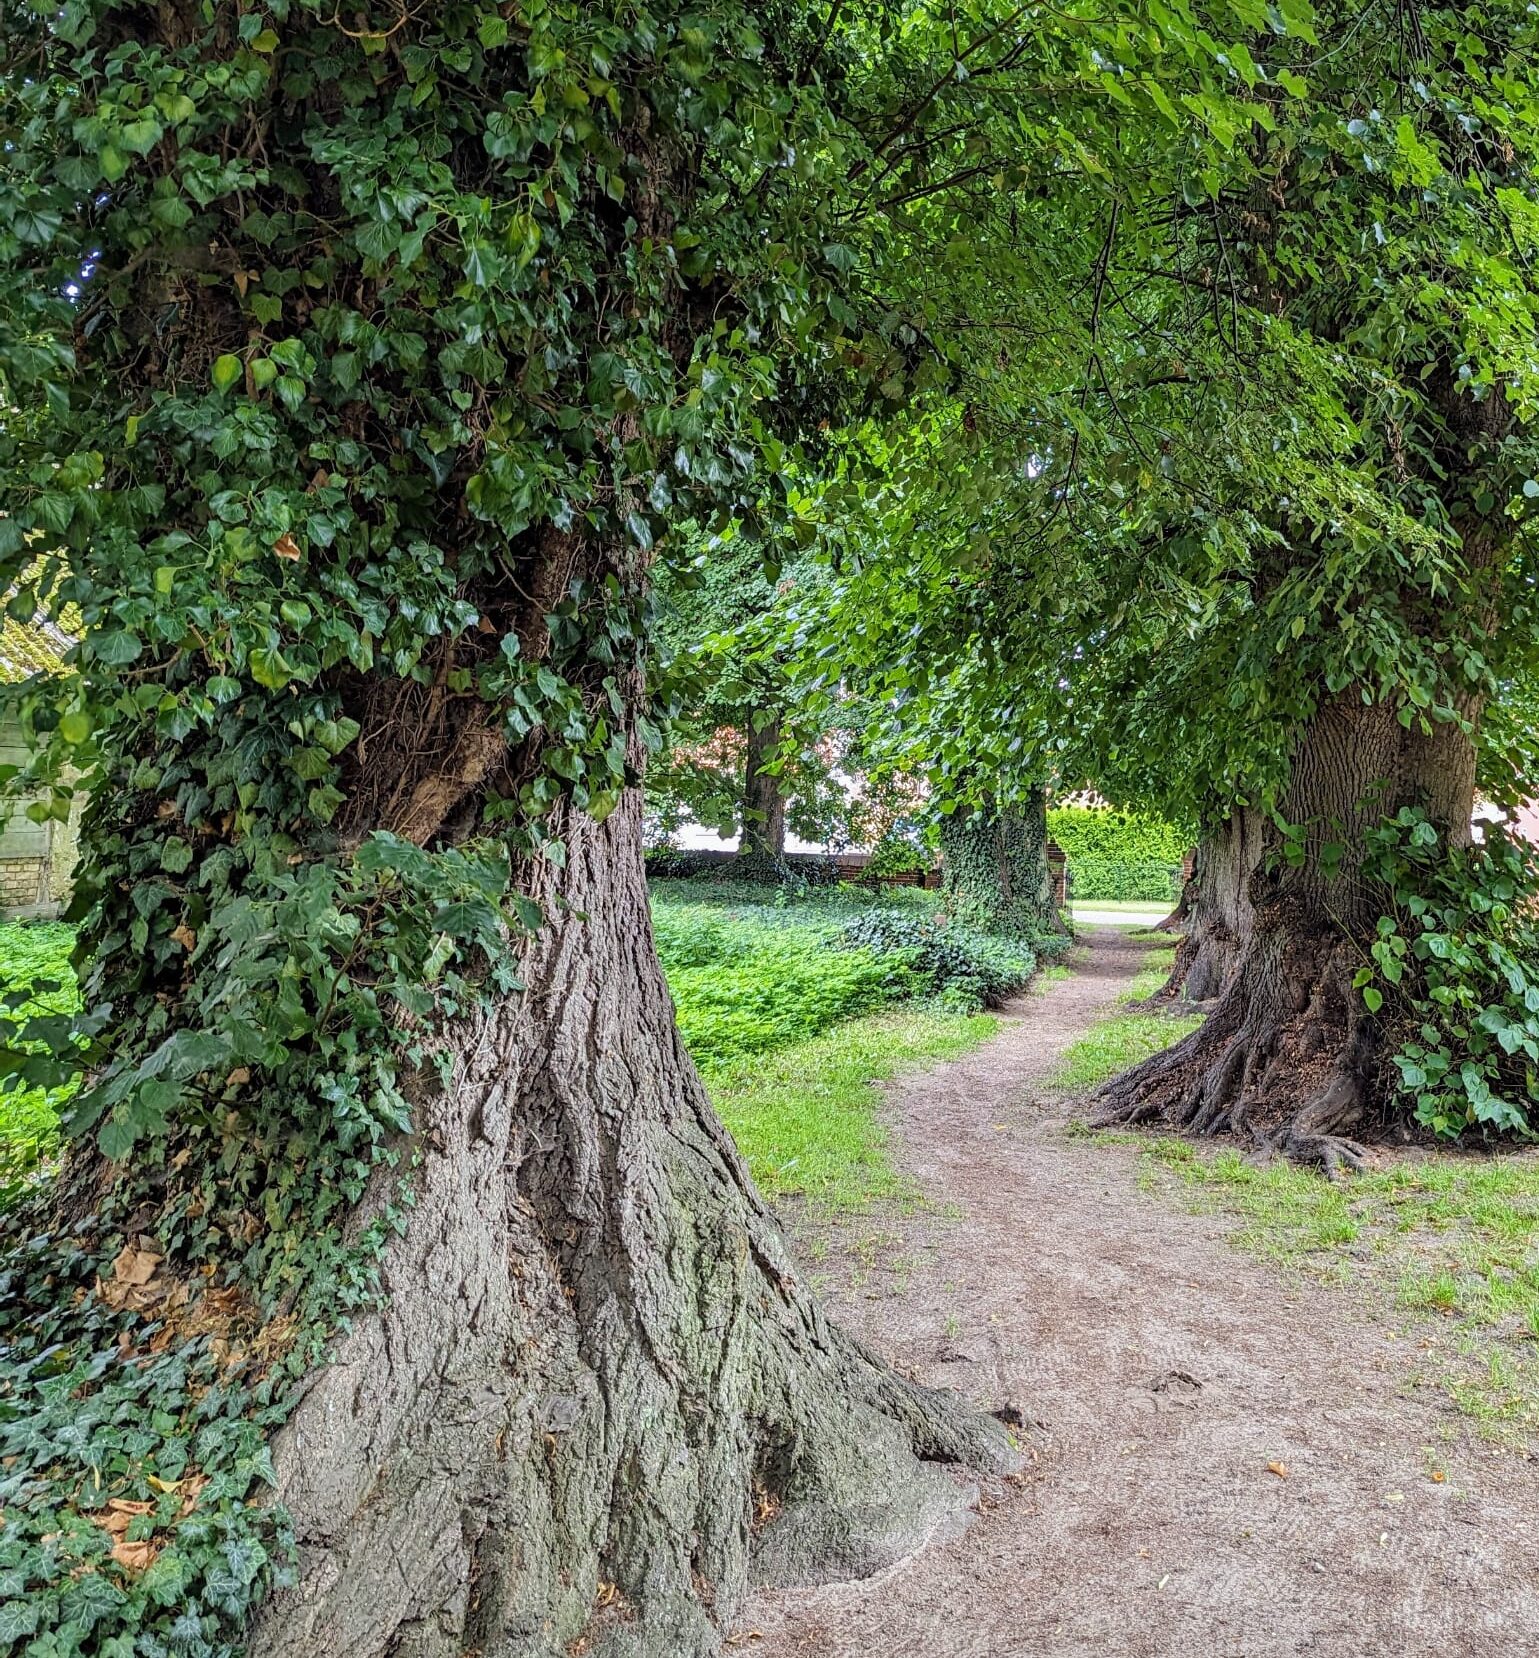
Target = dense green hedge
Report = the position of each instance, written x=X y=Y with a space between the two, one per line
x=1119 y=855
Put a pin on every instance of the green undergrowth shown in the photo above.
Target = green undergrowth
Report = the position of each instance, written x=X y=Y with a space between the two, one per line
x=756 y=969
x=806 y=1118
x=1446 y=1240
x=35 y=978
x=1122 y=1039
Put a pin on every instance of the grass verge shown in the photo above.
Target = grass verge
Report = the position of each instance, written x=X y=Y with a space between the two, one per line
x=1122 y=1039
x=1446 y=1241
x=805 y=1117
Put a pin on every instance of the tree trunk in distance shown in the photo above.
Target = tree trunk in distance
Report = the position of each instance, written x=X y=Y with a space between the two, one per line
x=1215 y=914
x=997 y=876
x=764 y=806
x=1290 y=1053
x=600 y=1400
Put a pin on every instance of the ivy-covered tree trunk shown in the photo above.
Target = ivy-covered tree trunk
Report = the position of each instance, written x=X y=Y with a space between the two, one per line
x=369 y=364
x=1215 y=914
x=764 y=806
x=600 y=1400
x=996 y=872
x=1290 y=1053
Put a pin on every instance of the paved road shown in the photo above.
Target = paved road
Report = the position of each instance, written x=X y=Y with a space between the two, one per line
x=1086 y=915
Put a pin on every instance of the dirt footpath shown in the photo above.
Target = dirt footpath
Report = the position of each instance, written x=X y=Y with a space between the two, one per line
x=1166 y=1375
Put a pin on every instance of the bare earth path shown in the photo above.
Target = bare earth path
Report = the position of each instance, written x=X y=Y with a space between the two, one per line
x=1164 y=1372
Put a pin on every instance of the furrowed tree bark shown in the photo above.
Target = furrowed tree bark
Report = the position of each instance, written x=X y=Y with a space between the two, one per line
x=997 y=876
x=1215 y=915
x=1289 y=1054
x=764 y=806
x=600 y=1400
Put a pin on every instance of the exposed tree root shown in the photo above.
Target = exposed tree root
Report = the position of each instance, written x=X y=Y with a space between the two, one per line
x=1280 y=1061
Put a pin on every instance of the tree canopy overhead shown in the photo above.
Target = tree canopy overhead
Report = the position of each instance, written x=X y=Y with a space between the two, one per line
x=357 y=375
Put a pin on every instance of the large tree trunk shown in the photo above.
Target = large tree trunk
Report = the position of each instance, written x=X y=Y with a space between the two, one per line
x=1289 y=1053
x=764 y=806
x=600 y=1400
x=1215 y=915
x=997 y=876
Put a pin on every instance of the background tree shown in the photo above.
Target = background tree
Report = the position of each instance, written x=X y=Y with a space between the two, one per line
x=996 y=874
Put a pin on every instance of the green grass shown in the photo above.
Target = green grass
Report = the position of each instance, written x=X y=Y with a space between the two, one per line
x=1119 y=1040
x=32 y=953
x=805 y=1118
x=1447 y=1240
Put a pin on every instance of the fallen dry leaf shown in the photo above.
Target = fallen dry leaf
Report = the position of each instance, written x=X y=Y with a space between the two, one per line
x=1278 y=1468
x=184 y=935
x=119 y=1514
x=137 y=1557
x=136 y=1266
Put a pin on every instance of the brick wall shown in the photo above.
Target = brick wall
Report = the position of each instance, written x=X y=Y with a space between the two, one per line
x=23 y=882
x=1058 y=863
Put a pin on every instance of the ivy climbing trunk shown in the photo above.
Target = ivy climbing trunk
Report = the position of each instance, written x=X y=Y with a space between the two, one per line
x=599 y=1400
x=1289 y=1053
x=1215 y=915
x=996 y=870
x=764 y=806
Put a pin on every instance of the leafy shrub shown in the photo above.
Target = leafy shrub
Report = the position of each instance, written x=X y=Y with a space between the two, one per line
x=964 y=968
x=1454 y=968
x=1119 y=855
x=748 y=984
x=36 y=979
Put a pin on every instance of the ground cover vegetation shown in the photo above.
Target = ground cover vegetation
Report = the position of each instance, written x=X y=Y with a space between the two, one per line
x=362 y=381
x=753 y=968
